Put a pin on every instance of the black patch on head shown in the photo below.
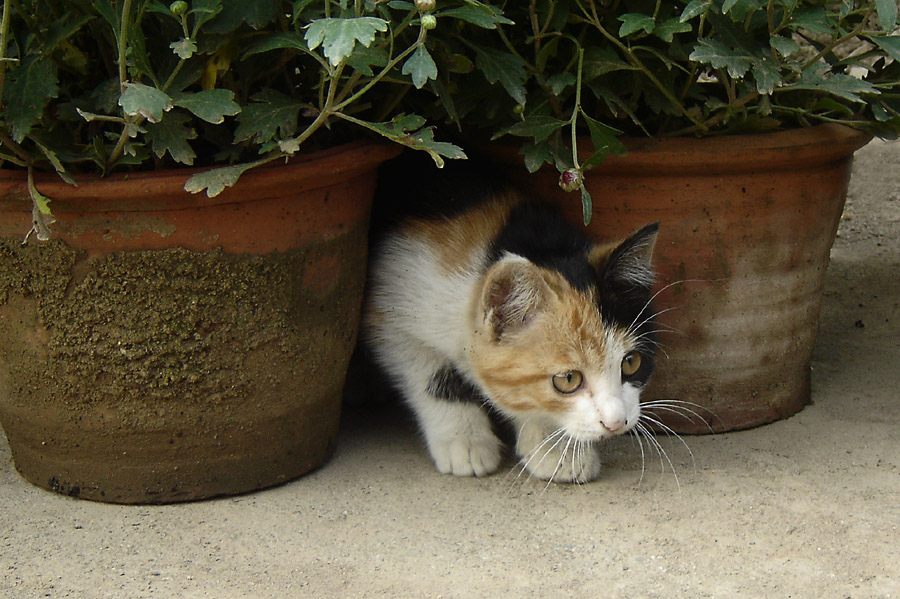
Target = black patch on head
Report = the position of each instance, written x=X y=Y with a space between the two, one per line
x=622 y=301
x=411 y=186
x=450 y=385
x=540 y=234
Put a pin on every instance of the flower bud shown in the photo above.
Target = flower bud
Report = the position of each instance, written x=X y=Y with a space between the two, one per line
x=571 y=179
x=178 y=8
x=425 y=5
x=429 y=21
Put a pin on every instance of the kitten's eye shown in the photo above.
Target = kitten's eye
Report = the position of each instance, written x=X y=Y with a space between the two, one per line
x=568 y=382
x=631 y=363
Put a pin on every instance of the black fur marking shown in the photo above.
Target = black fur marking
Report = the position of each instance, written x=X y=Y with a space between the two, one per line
x=450 y=385
x=543 y=236
x=411 y=186
x=648 y=364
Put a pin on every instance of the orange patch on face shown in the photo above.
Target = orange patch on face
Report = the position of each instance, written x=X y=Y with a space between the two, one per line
x=567 y=334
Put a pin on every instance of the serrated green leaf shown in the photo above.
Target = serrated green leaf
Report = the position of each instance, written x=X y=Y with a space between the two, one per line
x=270 y=115
x=890 y=45
x=536 y=155
x=54 y=160
x=600 y=61
x=420 y=67
x=880 y=113
x=62 y=29
x=256 y=13
x=830 y=105
x=480 y=15
x=423 y=140
x=538 y=127
x=142 y=100
x=203 y=11
x=211 y=105
x=559 y=82
x=604 y=138
x=887 y=14
x=41 y=216
x=667 y=29
x=739 y=9
x=339 y=36
x=363 y=59
x=817 y=78
x=408 y=130
x=171 y=135
x=633 y=22
x=184 y=48
x=695 y=8
x=30 y=87
x=785 y=46
x=766 y=74
x=138 y=57
x=719 y=56
x=505 y=68
x=548 y=51
x=110 y=14
x=216 y=180
x=276 y=41
x=814 y=20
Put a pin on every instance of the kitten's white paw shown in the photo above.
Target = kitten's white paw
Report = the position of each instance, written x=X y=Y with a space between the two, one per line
x=550 y=456
x=463 y=456
x=560 y=466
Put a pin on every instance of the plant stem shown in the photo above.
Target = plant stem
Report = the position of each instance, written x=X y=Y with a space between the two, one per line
x=123 y=45
x=123 y=81
x=19 y=151
x=4 y=40
x=577 y=109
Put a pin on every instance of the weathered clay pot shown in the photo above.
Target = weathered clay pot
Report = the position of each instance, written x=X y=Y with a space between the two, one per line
x=169 y=347
x=746 y=226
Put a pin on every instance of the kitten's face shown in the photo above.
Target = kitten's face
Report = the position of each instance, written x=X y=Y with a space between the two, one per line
x=543 y=350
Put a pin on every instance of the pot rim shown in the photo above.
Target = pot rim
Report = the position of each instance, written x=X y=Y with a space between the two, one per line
x=779 y=150
x=164 y=189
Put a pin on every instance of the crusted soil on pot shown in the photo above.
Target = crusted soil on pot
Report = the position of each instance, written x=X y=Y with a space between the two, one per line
x=806 y=507
x=176 y=349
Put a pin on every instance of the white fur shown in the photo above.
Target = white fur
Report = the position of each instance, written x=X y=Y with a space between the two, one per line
x=418 y=319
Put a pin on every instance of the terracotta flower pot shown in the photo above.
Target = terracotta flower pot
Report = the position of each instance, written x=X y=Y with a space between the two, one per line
x=746 y=226
x=169 y=347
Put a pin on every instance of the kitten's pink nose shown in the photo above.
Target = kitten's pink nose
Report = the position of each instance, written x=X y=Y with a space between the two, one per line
x=613 y=425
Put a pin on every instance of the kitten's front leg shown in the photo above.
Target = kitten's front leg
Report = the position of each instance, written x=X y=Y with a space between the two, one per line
x=550 y=454
x=458 y=436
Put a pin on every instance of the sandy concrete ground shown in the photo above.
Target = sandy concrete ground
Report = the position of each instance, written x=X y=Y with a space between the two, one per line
x=807 y=507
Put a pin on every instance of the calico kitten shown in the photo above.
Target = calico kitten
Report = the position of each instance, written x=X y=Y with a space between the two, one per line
x=482 y=300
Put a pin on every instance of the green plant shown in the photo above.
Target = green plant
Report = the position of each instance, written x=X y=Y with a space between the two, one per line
x=101 y=85
x=609 y=68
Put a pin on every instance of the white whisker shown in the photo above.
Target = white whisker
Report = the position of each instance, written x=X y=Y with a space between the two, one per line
x=525 y=461
x=671 y=433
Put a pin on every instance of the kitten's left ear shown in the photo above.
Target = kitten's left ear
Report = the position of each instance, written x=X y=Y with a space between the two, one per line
x=629 y=261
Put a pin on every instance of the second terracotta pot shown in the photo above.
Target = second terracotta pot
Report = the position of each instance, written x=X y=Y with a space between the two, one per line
x=746 y=227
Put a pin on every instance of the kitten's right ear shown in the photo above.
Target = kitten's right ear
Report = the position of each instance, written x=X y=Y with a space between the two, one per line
x=513 y=295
